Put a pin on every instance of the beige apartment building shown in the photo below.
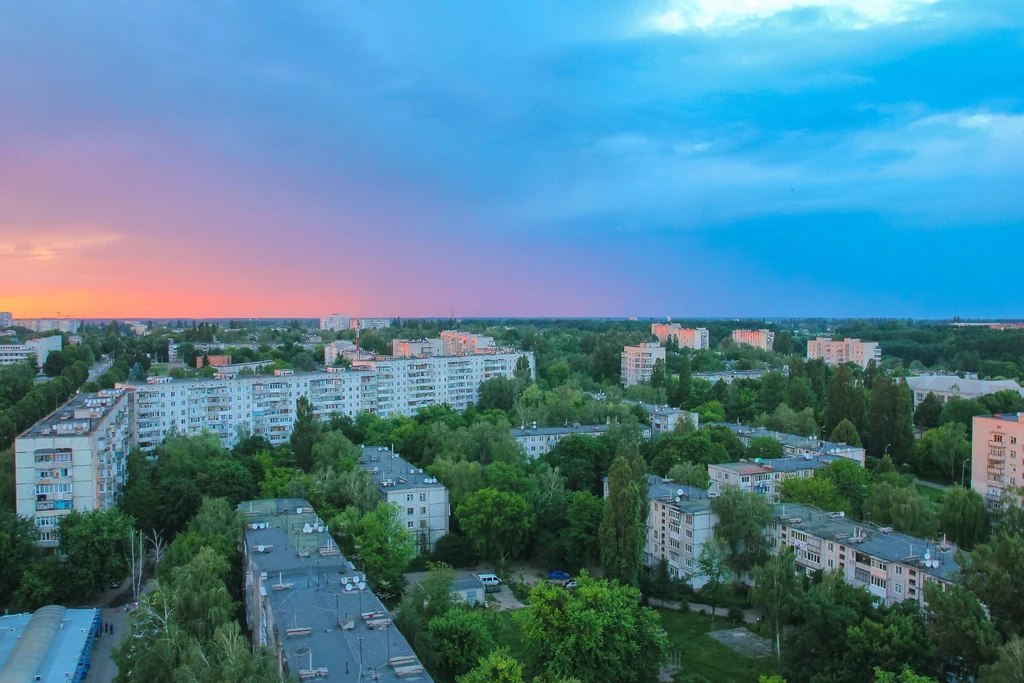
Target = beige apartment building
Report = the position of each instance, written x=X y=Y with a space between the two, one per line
x=762 y=339
x=891 y=566
x=457 y=343
x=996 y=460
x=845 y=351
x=764 y=477
x=73 y=458
x=638 y=362
x=416 y=348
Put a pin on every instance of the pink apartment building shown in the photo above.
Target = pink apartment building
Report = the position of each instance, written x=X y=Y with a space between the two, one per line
x=996 y=460
x=762 y=339
x=845 y=351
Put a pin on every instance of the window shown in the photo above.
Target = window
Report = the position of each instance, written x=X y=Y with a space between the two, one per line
x=410 y=524
x=423 y=497
x=408 y=497
x=899 y=570
x=898 y=588
x=409 y=511
x=423 y=510
x=423 y=524
x=877 y=581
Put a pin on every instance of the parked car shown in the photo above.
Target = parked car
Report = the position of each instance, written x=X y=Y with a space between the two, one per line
x=558 y=575
x=571 y=583
x=489 y=579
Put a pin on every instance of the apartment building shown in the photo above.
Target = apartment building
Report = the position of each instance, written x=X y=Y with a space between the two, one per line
x=946 y=387
x=422 y=499
x=679 y=520
x=48 y=324
x=845 y=351
x=335 y=322
x=891 y=566
x=5 y=319
x=728 y=376
x=698 y=338
x=73 y=458
x=796 y=446
x=311 y=605
x=996 y=456
x=762 y=339
x=463 y=343
x=638 y=362
x=265 y=404
x=664 y=330
x=537 y=441
x=371 y=323
x=764 y=477
x=213 y=360
x=415 y=348
x=40 y=348
x=665 y=419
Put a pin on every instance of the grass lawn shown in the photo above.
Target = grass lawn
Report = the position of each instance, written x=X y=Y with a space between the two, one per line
x=706 y=656
x=930 y=494
x=506 y=631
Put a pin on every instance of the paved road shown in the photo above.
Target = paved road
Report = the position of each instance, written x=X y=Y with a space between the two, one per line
x=938 y=487
x=98 y=369
x=751 y=616
x=102 y=668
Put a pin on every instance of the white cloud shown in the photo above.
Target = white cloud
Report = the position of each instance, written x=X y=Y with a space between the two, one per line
x=52 y=244
x=683 y=15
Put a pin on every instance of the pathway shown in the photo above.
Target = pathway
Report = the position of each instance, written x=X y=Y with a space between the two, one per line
x=750 y=615
x=932 y=485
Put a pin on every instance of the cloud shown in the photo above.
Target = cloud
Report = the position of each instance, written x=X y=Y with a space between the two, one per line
x=50 y=245
x=685 y=15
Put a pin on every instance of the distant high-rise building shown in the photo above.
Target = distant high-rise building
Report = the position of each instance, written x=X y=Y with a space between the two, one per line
x=335 y=322
x=762 y=339
x=371 y=323
x=638 y=362
x=686 y=338
x=48 y=324
x=40 y=348
x=845 y=351
x=5 y=319
x=663 y=330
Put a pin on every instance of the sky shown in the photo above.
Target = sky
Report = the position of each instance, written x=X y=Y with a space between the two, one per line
x=685 y=158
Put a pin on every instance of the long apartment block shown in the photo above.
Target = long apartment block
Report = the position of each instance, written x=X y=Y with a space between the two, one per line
x=265 y=405
x=74 y=458
x=839 y=351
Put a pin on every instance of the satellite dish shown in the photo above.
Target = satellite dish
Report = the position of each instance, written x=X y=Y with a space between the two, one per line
x=320 y=529
x=361 y=585
x=348 y=587
x=255 y=526
x=307 y=529
x=842 y=513
x=679 y=492
x=927 y=555
x=298 y=511
x=678 y=499
x=259 y=548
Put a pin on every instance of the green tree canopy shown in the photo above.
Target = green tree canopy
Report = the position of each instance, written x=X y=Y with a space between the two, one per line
x=742 y=518
x=387 y=547
x=497 y=521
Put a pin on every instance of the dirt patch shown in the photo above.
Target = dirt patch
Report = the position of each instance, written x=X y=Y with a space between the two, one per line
x=743 y=641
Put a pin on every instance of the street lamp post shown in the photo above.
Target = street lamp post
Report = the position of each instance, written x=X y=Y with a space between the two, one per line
x=963 y=466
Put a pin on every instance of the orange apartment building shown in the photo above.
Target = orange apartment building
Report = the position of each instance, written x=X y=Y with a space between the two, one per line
x=996 y=455
x=762 y=339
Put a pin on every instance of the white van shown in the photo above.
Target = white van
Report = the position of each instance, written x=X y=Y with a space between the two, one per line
x=489 y=579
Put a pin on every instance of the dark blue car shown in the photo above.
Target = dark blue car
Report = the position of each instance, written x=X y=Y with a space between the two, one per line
x=558 y=575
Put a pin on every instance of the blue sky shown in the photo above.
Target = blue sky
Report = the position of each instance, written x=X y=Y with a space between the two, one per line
x=669 y=157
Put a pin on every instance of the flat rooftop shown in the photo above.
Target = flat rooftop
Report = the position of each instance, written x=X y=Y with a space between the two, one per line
x=79 y=416
x=554 y=431
x=349 y=631
x=690 y=499
x=390 y=471
x=758 y=466
x=881 y=542
x=792 y=440
x=57 y=641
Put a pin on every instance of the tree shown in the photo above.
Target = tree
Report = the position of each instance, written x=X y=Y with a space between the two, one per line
x=905 y=676
x=659 y=374
x=623 y=532
x=198 y=597
x=18 y=548
x=711 y=567
x=772 y=393
x=929 y=412
x=775 y=590
x=963 y=634
x=96 y=545
x=55 y=364
x=962 y=410
x=764 y=447
x=844 y=400
x=1008 y=516
x=387 y=547
x=497 y=667
x=580 y=536
x=902 y=508
x=821 y=492
x=963 y=516
x=460 y=639
x=523 y=372
x=992 y=571
x=690 y=474
x=599 y=632
x=892 y=640
x=497 y=521
x=890 y=420
x=497 y=393
x=945 y=450
x=851 y=480
x=304 y=433
x=742 y=518
x=1009 y=668
x=845 y=432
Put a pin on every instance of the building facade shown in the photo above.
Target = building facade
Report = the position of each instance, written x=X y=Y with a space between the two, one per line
x=764 y=477
x=48 y=324
x=73 y=459
x=946 y=387
x=891 y=566
x=638 y=362
x=996 y=456
x=845 y=351
x=40 y=348
x=537 y=441
x=663 y=330
x=422 y=499
x=762 y=339
x=5 y=319
x=796 y=446
x=311 y=605
x=665 y=419
x=462 y=343
x=335 y=322
x=698 y=338
x=415 y=348
x=371 y=323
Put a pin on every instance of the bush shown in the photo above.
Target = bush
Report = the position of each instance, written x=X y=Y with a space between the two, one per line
x=735 y=614
x=520 y=590
x=455 y=550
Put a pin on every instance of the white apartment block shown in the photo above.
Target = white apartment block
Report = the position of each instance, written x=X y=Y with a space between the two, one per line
x=946 y=387
x=762 y=339
x=414 y=348
x=337 y=349
x=638 y=362
x=764 y=477
x=891 y=566
x=422 y=499
x=537 y=441
x=665 y=419
x=464 y=343
x=336 y=322
x=796 y=446
x=265 y=405
x=679 y=520
x=997 y=460
x=47 y=324
x=40 y=348
x=73 y=459
x=845 y=351
x=5 y=319
x=372 y=323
